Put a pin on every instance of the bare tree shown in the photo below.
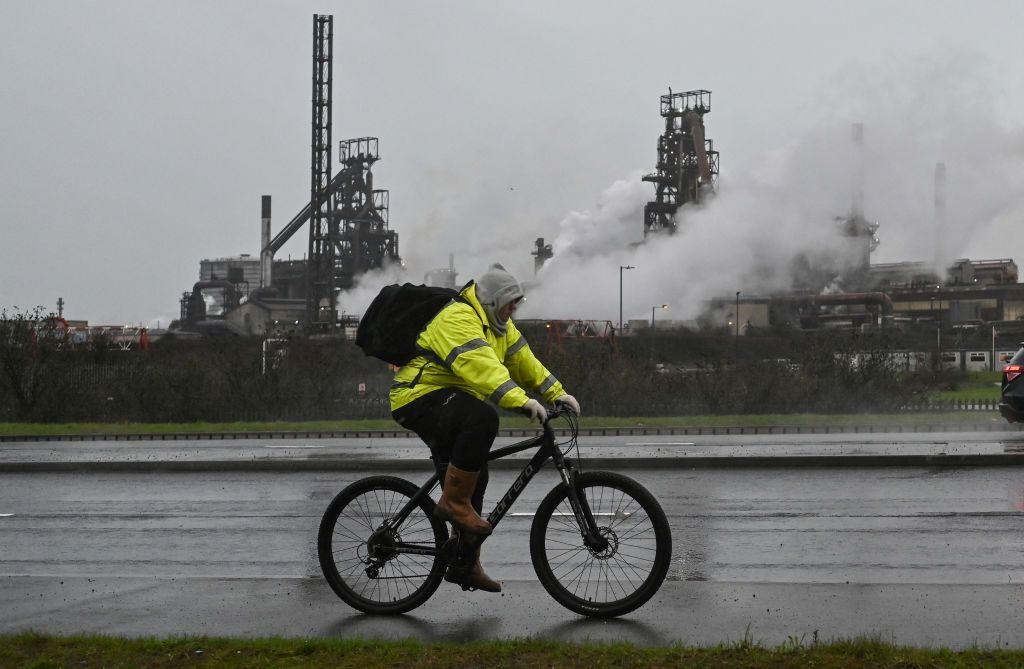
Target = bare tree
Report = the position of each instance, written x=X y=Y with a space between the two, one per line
x=30 y=343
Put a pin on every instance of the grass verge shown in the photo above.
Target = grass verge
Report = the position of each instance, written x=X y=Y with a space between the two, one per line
x=969 y=395
x=977 y=386
x=38 y=652
x=740 y=420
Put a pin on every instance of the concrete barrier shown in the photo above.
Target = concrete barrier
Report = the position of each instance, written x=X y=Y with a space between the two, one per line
x=991 y=426
x=343 y=464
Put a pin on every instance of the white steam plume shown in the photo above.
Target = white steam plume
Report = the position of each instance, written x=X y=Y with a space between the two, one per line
x=766 y=216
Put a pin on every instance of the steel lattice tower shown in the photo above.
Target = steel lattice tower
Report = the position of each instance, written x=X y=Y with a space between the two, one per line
x=687 y=162
x=321 y=310
x=364 y=241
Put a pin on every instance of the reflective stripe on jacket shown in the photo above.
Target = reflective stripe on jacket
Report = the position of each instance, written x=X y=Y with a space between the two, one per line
x=459 y=350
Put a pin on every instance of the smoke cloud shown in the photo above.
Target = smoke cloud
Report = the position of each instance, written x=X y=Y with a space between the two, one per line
x=770 y=217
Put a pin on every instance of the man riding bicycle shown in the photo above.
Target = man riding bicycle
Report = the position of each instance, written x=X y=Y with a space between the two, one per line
x=471 y=353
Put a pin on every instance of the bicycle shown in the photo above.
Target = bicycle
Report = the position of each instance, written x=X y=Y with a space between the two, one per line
x=600 y=542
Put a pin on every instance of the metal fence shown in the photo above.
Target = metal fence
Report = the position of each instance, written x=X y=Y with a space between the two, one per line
x=950 y=406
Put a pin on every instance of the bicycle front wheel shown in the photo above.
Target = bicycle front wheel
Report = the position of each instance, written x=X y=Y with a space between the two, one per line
x=622 y=576
x=370 y=562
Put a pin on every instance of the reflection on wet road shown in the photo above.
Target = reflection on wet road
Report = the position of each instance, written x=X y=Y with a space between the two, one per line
x=877 y=525
x=815 y=540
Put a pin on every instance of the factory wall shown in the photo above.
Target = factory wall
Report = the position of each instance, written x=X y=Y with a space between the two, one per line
x=236 y=270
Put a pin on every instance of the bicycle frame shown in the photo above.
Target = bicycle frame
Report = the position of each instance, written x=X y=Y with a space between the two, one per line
x=548 y=449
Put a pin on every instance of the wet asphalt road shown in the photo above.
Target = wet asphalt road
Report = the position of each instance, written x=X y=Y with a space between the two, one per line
x=921 y=556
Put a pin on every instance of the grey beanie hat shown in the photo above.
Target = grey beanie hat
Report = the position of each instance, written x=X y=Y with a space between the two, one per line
x=495 y=289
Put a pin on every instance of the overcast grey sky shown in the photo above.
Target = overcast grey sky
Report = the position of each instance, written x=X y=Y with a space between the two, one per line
x=137 y=137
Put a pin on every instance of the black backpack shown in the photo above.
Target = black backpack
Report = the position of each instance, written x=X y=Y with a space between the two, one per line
x=397 y=316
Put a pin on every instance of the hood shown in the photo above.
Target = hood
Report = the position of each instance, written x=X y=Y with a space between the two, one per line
x=495 y=289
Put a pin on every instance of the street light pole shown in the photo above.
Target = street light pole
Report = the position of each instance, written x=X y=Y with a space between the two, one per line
x=992 y=360
x=621 y=267
x=656 y=306
x=738 y=315
x=938 y=355
x=736 y=339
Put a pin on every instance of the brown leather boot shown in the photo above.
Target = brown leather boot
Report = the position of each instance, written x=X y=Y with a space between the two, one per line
x=472 y=577
x=454 y=505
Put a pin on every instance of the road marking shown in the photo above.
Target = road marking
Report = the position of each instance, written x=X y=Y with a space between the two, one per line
x=6 y=515
x=292 y=446
x=660 y=443
x=620 y=514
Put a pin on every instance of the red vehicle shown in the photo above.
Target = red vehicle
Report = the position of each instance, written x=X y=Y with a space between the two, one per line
x=1012 y=404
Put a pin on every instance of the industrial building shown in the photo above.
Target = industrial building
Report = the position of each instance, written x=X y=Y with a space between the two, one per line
x=898 y=293
x=349 y=233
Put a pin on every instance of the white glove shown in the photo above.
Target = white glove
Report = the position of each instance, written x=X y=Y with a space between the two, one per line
x=535 y=410
x=570 y=402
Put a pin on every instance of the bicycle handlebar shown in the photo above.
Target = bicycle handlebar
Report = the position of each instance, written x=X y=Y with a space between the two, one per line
x=557 y=412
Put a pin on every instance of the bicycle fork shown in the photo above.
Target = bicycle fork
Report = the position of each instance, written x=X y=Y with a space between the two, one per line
x=591 y=534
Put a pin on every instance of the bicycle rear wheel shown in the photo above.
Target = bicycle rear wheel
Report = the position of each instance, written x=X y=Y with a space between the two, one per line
x=621 y=577
x=357 y=551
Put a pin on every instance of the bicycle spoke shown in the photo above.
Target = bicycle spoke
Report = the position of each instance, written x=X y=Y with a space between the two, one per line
x=626 y=532
x=420 y=524
x=578 y=580
x=622 y=590
x=348 y=535
x=573 y=570
x=376 y=500
x=622 y=562
x=647 y=529
x=570 y=526
x=566 y=560
x=566 y=551
x=390 y=511
x=631 y=556
x=563 y=543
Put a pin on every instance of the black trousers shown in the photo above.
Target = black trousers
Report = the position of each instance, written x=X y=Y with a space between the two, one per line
x=458 y=428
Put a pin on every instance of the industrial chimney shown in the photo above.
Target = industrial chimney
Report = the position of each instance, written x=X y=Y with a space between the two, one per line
x=941 y=261
x=859 y=231
x=857 y=206
x=266 y=256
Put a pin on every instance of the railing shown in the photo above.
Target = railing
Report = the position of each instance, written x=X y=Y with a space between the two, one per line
x=950 y=405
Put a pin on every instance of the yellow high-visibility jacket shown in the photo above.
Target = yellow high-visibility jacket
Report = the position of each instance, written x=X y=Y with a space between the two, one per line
x=460 y=350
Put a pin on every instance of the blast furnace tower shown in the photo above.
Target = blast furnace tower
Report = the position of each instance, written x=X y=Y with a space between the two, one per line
x=361 y=213
x=687 y=167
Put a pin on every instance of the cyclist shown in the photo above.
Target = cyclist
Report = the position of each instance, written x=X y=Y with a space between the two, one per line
x=471 y=353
